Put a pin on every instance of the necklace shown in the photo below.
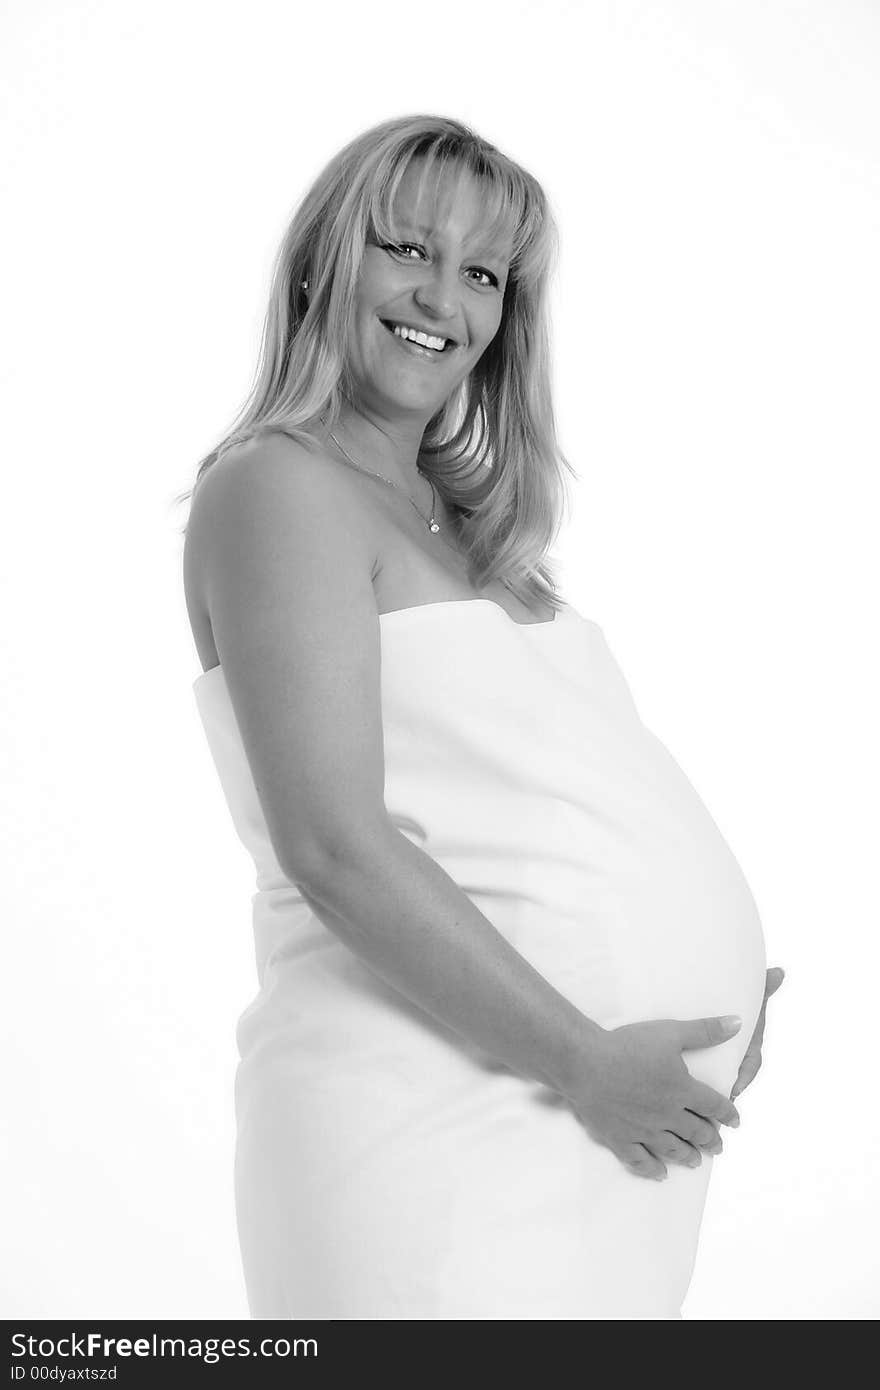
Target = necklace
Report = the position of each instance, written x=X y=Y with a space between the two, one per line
x=431 y=523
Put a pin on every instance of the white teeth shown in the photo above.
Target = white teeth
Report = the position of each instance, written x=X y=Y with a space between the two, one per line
x=423 y=339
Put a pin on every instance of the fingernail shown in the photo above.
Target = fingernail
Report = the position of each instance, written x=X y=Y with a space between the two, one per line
x=732 y=1021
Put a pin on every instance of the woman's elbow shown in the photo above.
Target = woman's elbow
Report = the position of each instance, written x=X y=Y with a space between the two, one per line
x=320 y=859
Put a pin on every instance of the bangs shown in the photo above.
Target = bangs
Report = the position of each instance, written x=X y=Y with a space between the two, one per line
x=504 y=226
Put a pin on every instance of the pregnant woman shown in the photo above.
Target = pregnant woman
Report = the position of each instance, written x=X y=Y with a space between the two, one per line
x=498 y=935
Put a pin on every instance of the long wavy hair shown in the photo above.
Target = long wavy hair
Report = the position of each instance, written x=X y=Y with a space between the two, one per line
x=491 y=450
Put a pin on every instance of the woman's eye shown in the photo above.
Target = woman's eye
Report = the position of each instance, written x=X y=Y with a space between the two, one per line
x=400 y=247
x=493 y=279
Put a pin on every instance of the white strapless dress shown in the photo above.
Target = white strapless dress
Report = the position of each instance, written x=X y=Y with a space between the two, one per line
x=385 y=1168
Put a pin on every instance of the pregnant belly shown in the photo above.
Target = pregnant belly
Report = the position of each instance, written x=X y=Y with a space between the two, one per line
x=688 y=944
x=644 y=918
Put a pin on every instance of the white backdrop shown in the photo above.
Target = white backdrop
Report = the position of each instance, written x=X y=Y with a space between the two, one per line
x=715 y=171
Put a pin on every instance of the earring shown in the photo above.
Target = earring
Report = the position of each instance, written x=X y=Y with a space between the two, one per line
x=305 y=284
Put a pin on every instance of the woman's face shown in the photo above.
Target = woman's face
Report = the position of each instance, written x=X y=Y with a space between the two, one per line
x=441 y=277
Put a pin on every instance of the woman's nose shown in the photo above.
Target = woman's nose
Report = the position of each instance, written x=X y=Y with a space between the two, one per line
x=439 y=293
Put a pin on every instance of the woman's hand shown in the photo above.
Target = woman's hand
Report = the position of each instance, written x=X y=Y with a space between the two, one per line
x=637 y=1097
x=751 y=1063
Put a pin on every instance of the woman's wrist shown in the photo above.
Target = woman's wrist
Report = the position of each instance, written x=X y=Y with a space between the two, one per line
x=579 y=1057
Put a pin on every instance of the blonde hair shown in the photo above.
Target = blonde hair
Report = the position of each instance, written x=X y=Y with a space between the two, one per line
x=491 y=450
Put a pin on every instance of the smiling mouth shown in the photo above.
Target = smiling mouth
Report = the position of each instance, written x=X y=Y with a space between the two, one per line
x=419 y=347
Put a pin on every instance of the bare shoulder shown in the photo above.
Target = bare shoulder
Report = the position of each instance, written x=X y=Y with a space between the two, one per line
x=285 y=568
x=265 y=503
x=262 y=486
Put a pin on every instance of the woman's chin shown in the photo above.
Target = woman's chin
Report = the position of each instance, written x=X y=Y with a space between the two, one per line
x=407 y=391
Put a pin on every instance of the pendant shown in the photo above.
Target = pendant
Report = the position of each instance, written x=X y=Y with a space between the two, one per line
x=433 y=526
